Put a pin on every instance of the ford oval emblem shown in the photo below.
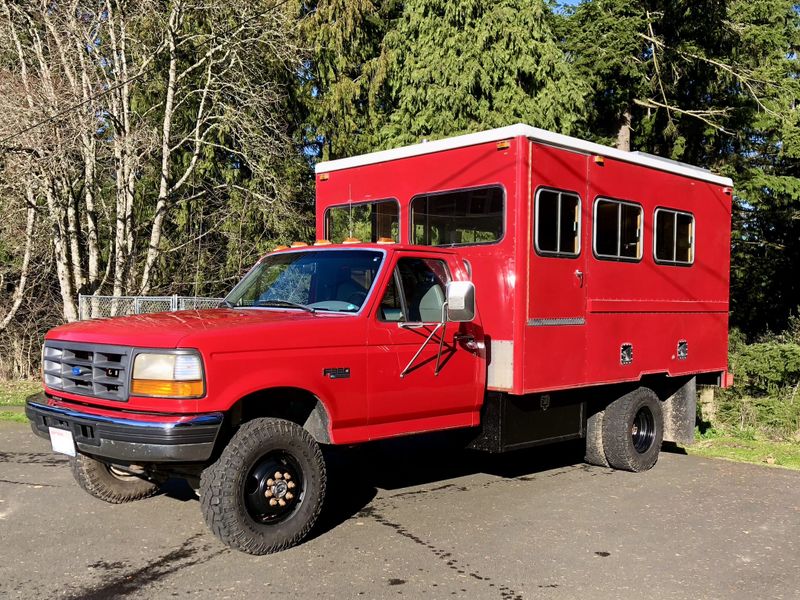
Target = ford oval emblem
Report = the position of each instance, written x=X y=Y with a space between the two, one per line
x=76 y=371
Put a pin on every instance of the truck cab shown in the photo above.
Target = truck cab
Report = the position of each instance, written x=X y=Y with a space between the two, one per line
x=522 y=286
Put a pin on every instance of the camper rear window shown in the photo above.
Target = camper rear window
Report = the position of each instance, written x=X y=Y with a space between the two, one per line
x=463 y=217
x=674 y=237
x=617 y=230
x=557 y=223
x=367 y=221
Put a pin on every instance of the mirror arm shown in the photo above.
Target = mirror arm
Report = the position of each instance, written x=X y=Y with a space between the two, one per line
x=421 y=348
x=441 y=339
x=443 y=326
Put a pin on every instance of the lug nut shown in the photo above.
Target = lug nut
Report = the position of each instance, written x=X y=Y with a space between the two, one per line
x=289 y=495
x=287 y=476
x=268 y=493
x=290 y=485
x=278 y=475
x=272 y=502
x=270 y=482
x=282 y=502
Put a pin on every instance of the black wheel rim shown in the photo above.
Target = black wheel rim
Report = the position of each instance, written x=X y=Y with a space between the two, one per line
x=643 y=430
x=273 y=488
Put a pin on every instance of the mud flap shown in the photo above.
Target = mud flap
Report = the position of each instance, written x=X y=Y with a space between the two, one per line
x=680 y=411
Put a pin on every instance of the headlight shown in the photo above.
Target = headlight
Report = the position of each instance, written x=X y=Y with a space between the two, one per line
x=167 y=375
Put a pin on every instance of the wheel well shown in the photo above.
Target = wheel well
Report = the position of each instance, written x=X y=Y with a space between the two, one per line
x=293 y=404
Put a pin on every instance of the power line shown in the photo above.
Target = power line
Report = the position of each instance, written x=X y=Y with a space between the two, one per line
x=62 y=113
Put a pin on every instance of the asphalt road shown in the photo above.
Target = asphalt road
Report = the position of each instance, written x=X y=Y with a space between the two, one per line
x=415 y=519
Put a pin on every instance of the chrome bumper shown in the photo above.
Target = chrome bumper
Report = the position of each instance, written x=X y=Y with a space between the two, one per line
x=127 y=439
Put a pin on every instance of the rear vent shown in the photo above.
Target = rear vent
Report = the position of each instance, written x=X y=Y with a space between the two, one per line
x=93 y=370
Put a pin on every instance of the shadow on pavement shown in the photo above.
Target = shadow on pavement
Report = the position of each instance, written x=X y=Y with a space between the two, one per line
x=356 y=474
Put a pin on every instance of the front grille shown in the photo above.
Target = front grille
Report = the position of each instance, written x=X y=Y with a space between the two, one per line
x=95 y=370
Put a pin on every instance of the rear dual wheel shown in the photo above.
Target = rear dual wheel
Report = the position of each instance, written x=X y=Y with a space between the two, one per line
x=627 y=435
x=265 y=492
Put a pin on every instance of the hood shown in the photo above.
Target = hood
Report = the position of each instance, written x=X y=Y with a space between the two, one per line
x=167 y=329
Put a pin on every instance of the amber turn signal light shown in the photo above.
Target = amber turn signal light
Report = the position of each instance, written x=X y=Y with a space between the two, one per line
x=167 y=389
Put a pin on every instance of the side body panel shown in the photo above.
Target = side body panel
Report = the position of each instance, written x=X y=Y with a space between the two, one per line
x=655 y=306
x=650 y=306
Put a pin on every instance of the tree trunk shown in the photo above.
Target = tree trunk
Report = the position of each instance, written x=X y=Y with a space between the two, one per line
x=166 y=136
x=19 y=291
x=624 y=133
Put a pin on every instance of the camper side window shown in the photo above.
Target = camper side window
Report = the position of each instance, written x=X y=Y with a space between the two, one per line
x=458 y=218
x=557 y=219
x=367 y=221
x=674 y=237
x=617 y=230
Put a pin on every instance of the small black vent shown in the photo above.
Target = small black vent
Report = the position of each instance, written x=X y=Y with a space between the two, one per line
x=683 y=350
x=626 y=354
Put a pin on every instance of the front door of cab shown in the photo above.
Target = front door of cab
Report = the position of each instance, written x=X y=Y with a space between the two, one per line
x=408 y=394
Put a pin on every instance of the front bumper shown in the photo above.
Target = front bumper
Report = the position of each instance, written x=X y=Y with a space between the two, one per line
x=124 y=438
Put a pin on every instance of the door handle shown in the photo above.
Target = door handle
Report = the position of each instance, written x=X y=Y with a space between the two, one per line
x=579 y=275
x=466 y=339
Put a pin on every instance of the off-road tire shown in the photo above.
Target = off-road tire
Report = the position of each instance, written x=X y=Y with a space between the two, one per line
x=97 y=478
x=222 y=487
x=618 y=440
x=595 y=453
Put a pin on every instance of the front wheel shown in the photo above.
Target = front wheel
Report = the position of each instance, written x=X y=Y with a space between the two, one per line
x=265 y=491
x=109 y=483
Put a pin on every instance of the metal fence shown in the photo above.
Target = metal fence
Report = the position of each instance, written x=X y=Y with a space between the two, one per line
x=92 y=307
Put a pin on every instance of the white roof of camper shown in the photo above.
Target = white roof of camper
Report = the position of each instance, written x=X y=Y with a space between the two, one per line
x=534 y=133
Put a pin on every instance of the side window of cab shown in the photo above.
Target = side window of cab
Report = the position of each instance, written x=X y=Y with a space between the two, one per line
x=416 y=291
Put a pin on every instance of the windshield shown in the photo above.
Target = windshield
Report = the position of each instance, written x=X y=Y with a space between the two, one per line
x=325 y=280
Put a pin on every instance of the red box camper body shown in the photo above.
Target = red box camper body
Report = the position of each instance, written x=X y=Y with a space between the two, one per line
x=557 y=322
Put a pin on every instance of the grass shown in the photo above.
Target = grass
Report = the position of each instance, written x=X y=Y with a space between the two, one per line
x=13 y=417
x=747 y=449
x=13 y=393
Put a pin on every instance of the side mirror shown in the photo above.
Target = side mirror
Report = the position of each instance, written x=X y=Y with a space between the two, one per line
x=460 y=301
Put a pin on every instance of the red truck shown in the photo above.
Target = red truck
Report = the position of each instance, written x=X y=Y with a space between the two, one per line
x=525 y=286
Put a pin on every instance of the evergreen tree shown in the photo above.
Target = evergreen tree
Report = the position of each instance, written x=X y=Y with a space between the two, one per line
x=713 y=83
x=342 y=78
x=455 y=66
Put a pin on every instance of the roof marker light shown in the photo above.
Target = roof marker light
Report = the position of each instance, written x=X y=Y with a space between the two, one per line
x=322 y=243
x=281 y=247
x=352 y=240
x=599 y=160
x=386 y=240
x=299 y=244
x=324 y=176
x=504 y=145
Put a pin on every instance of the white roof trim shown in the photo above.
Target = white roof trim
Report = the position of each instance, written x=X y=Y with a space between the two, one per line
x=535 y=134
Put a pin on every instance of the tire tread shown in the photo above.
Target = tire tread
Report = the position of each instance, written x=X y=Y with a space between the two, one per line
x=217 y=490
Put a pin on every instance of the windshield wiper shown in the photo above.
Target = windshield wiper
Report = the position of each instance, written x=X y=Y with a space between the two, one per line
x=288 y=303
